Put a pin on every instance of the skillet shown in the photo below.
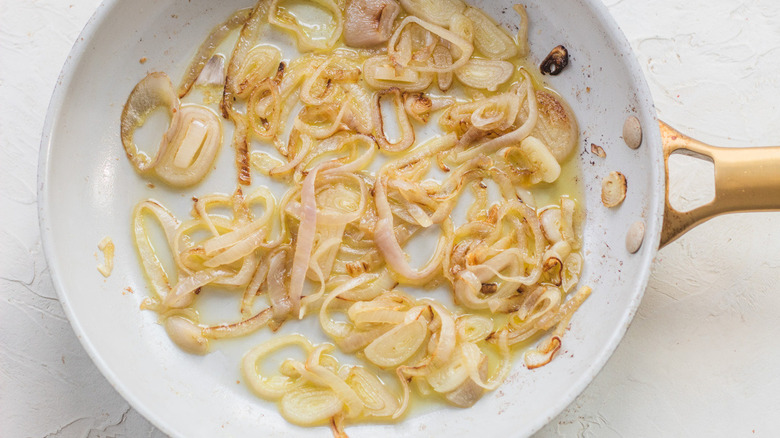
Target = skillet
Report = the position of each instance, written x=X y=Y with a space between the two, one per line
x=87 y=189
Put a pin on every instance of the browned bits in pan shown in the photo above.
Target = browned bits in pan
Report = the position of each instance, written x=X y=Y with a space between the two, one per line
x=555 y=62
x=489 y=288
x=613 y=189
x=597 y=150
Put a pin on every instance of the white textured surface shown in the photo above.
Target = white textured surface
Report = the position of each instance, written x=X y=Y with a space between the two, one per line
x=699 y=359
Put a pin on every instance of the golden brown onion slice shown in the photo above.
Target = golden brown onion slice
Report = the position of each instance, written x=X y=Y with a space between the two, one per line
x=369 y=22
x=152 y=92
x=556 y=126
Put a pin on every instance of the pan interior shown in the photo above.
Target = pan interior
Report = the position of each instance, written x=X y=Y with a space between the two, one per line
x=88 y=190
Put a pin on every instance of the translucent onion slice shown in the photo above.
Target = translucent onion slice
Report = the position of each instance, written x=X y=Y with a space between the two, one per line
x=511 y=138
x=387 y=242
x=522 y=32
x=442 y=57
x=152 y=266
x=407 y=130
x=550 y=220
x=380 y=73
x=485 y=74
x=304 y=240
x=271 y=387
x=339 y=67
x=572 y=268
x=221 y=244
x=474 y=360
x=469 y=392
x=305 y=42
x=445 y=336
x=571 y=305
x=398 y=345
x=473 y=328
x=209 y=45
x=321 y=122
x=377 y=399
x=264 y=110
x=536 y=157
x=435 y=11
x=420 y=106
x=265 y=163
x=463 y=26
x=238 y=329
x=366 y=318
x=489 y=38
x=464 y=46
x=195 y=139
x=448 y=377
x=247 y=39
x=183 y=293
x=187 y=335
x=309 y=405
x=327 y=249
x=152 y=92
x=261 y=62
x=358 y=117
x=340 y=329
x=497 y=113
x=382 y=310
x=313 y=371
x=567 y=222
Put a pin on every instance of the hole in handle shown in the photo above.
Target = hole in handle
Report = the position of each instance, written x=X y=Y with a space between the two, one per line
x=691 y=180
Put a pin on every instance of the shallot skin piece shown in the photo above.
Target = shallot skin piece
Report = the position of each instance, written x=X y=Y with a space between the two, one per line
x=369 y=22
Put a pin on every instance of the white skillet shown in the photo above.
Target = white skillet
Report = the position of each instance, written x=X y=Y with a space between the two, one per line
x=87 y=190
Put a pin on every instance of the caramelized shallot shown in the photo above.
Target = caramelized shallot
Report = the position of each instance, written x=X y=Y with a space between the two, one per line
x=369 y=22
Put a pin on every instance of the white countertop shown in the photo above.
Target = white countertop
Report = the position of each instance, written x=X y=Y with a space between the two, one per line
x=700 y=359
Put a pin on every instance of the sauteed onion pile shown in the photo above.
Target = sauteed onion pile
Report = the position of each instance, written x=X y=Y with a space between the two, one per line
x=340 y=124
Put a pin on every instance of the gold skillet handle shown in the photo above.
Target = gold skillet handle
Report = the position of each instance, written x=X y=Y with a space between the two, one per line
x=746 y=179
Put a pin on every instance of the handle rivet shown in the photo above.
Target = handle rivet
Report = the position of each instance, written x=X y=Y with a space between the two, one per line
x=635 y=236
x=632 y=132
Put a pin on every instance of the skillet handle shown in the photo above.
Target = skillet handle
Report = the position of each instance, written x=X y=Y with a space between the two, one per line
x=746 y=179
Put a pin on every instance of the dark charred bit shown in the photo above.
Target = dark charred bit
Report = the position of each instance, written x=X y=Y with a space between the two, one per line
x=489 y=288
x=242 y=157
x=555 y=62
x=280 y=72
